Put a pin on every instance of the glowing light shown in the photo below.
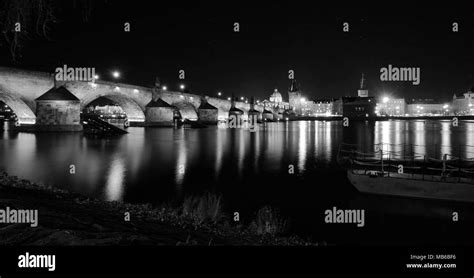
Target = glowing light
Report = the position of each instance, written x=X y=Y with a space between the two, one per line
x=181 y=96
x=164 y=88
x=116 y=74
x=182 y=86
x=135 y=91
x=445 y=106
x=96 y=76
x=228 y=98
x=303 y=100
x=385 y=99
x=219 y=93
x=241 y=98
x=117 y=88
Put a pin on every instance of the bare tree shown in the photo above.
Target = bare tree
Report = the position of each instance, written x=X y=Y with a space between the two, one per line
x=23 y=20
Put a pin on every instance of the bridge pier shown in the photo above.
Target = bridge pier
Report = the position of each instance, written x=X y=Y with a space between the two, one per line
x=207 y=113
x=159 y=113
x=253 y=113
x=58 y=110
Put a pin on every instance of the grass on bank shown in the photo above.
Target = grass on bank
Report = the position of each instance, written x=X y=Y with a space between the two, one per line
x=203 y=214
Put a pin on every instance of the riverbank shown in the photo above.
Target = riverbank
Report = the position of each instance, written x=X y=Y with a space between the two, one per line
x=70 y=219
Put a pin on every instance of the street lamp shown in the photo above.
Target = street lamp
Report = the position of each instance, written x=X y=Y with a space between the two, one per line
x=164 y=88
x=228 y=98
x=219 y=93
x=116 y=74
x=241 y=98
x=96 y=77
x=182 y=86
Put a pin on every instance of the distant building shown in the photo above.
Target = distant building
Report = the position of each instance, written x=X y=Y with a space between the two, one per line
x=276 y=101
x=464 y=104
x=276 y=97
x=356 y=107
x=337 y=107
x=426 y=107
x=391 y=107
x=321 y=107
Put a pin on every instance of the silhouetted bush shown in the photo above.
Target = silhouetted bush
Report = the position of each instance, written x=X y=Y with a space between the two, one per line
x=205 y=208
x=268 y=222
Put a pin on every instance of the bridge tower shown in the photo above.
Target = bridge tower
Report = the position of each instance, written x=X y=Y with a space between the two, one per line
x=294 y=97
x=363 y=92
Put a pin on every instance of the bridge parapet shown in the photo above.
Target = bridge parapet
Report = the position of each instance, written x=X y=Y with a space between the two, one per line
x=20 y=88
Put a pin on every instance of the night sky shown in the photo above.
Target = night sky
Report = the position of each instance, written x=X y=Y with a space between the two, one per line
x=273 y=39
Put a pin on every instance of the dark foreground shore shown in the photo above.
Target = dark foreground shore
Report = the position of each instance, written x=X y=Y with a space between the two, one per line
x=70 y=219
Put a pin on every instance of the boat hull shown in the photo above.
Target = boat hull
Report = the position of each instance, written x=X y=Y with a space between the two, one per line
x=413 y=188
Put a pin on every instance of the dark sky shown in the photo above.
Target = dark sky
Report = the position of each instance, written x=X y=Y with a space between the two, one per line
x=273 y=39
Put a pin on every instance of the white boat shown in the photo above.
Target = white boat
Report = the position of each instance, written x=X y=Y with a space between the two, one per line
x=415 y=176
x=413 y=186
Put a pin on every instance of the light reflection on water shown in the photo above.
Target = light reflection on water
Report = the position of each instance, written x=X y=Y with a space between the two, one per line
x=162 y=163
x=115 y=179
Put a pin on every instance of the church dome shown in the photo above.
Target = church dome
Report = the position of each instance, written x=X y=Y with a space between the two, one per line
x=276 y=96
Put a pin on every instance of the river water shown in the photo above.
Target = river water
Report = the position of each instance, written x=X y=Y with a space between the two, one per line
x=251 y=170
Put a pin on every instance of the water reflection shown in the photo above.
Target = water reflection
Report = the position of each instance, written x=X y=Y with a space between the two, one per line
x=419 y=145
x=303 y=125
x=446 y=147
x=469 y=148
x=115 y=179
x=156 y=164
x=181 y=149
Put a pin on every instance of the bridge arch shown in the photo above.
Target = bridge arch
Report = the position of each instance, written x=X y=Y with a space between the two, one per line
x=130 y=107
x=24 y=113
x=187 y=110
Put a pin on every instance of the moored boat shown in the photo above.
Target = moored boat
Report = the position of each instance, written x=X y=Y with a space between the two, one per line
x=431 y=187
x=415 y=177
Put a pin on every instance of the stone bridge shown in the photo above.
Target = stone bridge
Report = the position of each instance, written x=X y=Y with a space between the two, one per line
x=20 y=88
